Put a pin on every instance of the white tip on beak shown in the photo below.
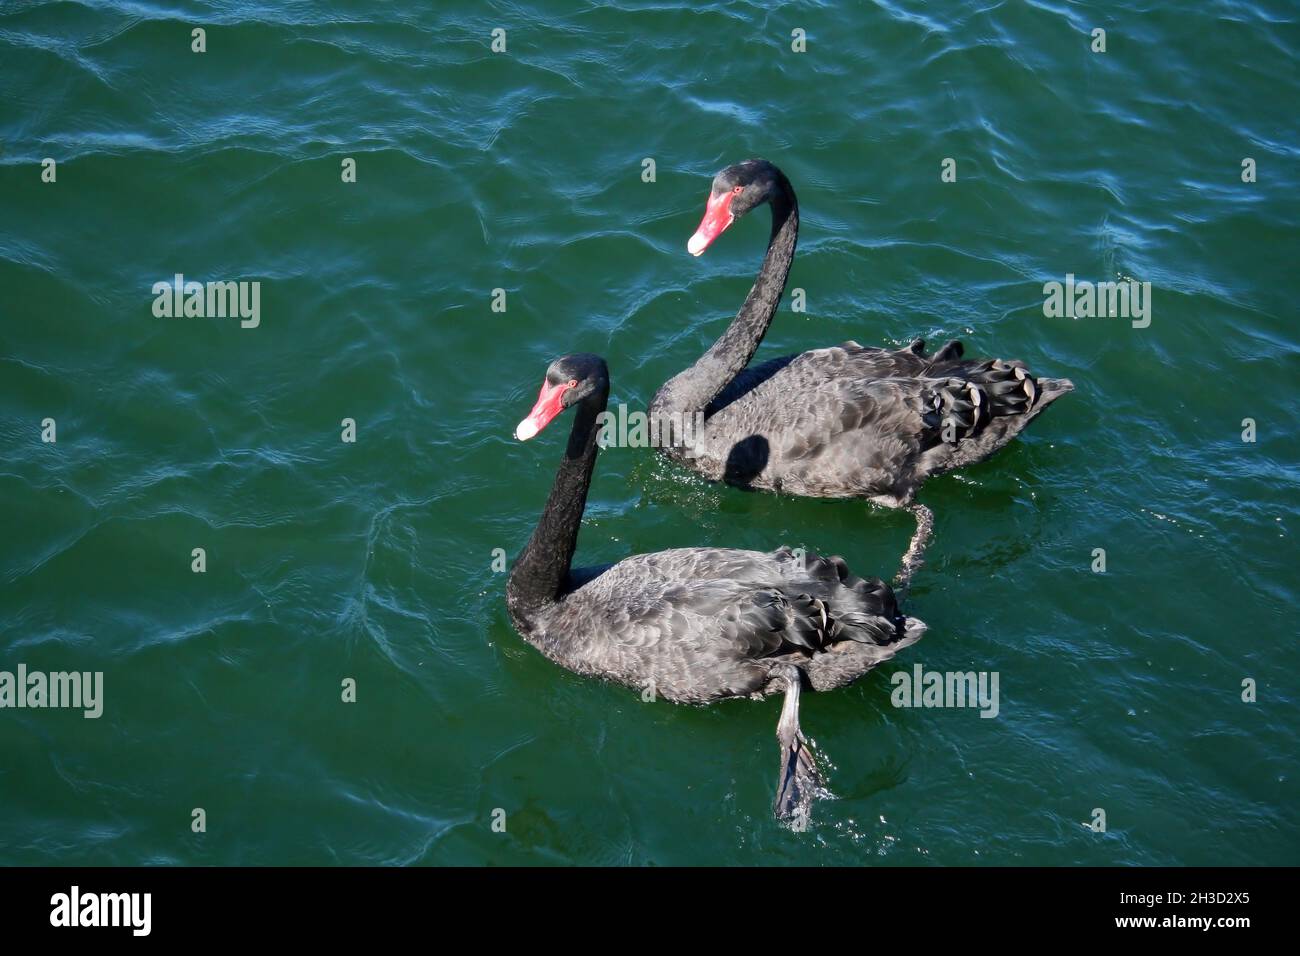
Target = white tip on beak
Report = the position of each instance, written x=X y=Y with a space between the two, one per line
x=696 y=244
x=525 y=429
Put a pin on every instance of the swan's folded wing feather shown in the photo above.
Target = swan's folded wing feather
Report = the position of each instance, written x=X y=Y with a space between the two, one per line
x=701 y=623
x=709 y=619
x=809 y=402
x=888 y=416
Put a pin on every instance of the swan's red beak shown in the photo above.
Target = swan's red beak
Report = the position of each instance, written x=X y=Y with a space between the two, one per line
x=717 y=217
x=549 y=404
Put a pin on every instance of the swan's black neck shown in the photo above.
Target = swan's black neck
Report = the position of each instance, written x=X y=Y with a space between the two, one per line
x=540 y=571
x=692 y=390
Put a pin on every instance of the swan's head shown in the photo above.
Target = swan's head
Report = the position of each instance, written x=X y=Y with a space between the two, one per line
x=736 y=190
x=568 y=381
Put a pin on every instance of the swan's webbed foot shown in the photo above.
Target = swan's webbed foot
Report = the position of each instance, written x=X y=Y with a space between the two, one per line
x=799 y=779
x=914 y=557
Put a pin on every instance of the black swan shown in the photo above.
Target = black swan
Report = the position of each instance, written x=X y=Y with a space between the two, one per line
x=841 y=422
x=693 y=625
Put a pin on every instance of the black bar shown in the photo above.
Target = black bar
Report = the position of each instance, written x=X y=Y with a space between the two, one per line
x=336 y=905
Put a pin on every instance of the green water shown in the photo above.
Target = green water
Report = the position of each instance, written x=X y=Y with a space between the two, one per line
x=522 y=171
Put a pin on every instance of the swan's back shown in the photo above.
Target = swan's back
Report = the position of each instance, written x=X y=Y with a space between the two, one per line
x=699 y=624
x=850 y=421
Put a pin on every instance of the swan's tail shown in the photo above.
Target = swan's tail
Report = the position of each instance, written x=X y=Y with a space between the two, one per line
x=800 y=780
x=1009 y=388
x=976 y=395
x=1050 y=389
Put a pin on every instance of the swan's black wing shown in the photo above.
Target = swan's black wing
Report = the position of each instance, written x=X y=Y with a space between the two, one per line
x=847 y=360
x=850 y=421
x=703 y=623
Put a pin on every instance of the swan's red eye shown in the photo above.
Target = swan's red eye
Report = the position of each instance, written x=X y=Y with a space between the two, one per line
x=573 y=383
x=738 y=190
